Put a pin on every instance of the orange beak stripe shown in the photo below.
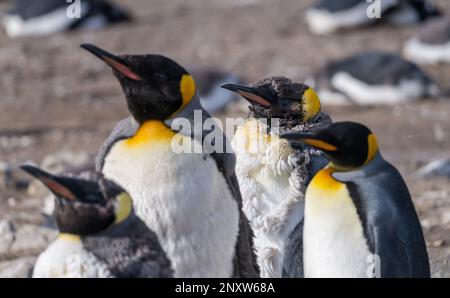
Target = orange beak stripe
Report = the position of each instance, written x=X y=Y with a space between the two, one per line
x=320 y=144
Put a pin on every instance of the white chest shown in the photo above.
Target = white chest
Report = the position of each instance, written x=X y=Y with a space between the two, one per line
x=66 y=258
x=333 y=241
x=271 y=199
x=185 y=200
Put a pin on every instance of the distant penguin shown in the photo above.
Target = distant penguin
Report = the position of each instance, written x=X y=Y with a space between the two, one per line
x=100 y=236
x=360 y=220
x=432 y=44
x=410 y=12
x=43 y=17
x=213 y=98
x=374 y=78
x=327 y=16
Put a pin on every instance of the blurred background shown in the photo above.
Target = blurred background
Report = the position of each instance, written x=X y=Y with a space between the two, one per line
x=58 y=103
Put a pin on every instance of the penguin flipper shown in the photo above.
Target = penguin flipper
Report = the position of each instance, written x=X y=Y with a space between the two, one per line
x=390 y=222
x=126 y=128
x=130 y=250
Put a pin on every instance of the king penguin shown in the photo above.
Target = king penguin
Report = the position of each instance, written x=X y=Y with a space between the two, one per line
x=100 y=235
x=360 y=220
x=431 y=45
x=272 y=174
x=191 y=200
x=375 y=78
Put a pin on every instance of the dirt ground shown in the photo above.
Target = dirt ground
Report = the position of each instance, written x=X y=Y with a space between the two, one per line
x=54 y=96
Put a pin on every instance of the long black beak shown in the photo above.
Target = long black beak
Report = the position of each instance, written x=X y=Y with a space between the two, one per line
x=113 y=61
x=249 y=93
x=59 y=186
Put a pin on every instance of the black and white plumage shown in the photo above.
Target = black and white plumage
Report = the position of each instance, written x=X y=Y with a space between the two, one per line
x=374 y=78
x=190 y=199
x=360 y=220
x=328 y=16
x=432 y=43
x=272 y=173
x=43 y=17
x=100 y=235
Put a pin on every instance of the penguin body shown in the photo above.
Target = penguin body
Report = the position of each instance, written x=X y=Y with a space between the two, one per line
x=100 y=236
x=374 y=78
x=66 y=257
x=173 y=192
x=327 y=16
x=191 y=200
x=432 y=43
x=272 y=174
x=360 y=220
x=38 y=18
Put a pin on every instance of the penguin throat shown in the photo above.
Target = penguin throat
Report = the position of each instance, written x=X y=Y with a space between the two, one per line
x=325 y=180
x=151 y=131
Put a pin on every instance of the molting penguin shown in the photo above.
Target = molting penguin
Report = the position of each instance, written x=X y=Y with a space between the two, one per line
x=360 y=220
x=100 y=236
x=272 y=173
x=191 y=200
x=374 y=78
x=432 y=43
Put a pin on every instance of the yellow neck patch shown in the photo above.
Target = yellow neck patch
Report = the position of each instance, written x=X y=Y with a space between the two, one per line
x=187 y=90
x=69 y=237
x=323 y=180
x=123 y=207
x=311 y=104
x=149 y=132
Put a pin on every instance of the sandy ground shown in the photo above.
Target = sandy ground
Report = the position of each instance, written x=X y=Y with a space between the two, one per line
x=56 y=97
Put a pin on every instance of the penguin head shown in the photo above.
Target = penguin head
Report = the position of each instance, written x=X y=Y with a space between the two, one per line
x=279 y=97
x=348 y=145
x=155 y=86
x=84 y=205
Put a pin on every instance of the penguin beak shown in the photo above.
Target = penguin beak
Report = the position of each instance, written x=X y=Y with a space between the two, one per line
x=53 y=183
x=310 y=139
x=113 y=61
x=248 y=93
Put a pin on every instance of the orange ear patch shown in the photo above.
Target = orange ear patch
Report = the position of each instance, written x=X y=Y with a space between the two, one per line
x=320 y=144
x=373 y=147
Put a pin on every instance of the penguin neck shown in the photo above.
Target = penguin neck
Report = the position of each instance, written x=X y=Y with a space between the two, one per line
x=366 y=168
x=150 y=131
x=69 y=237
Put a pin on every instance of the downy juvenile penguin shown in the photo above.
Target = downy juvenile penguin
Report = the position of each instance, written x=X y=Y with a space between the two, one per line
x=100 y=236
x=360 y=220
x=272 y=174
x=191 y=200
